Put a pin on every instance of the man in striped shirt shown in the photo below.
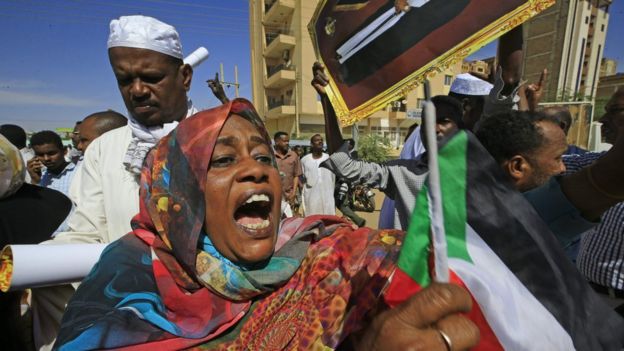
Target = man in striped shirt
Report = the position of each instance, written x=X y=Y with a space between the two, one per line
x=601 y=255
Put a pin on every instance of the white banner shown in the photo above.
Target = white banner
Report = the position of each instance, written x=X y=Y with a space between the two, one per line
x=29 y=266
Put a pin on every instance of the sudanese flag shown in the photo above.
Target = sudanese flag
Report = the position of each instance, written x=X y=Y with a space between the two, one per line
x=527 y=295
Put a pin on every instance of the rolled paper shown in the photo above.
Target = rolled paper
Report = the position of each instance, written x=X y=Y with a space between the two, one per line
x=31 y=266
x=197 y=57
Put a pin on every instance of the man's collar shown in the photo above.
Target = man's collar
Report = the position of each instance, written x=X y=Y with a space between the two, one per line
x=280 y=156
x=68 y=166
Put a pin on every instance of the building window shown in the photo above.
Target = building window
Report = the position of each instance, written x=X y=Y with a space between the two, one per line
x=602 y=28
x=586 y=20
x=448 y=80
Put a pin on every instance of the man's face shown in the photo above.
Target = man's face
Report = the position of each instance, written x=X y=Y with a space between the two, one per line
x=281 y=143
x=444 y=128
x=86 y=134
x=74 y=135
x=473 y=110
x=316 y=143
x=546 y=161
x=243 y=194
x=153 y=85
x=51 y=156
x=613 y=120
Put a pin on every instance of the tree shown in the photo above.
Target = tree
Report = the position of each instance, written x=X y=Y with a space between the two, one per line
x=374 y=148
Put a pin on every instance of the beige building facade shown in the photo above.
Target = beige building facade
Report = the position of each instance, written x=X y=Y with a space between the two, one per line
x=477 y=67
x=608 y=67
x=282 y=56
x=607 y=86
x=568 y=39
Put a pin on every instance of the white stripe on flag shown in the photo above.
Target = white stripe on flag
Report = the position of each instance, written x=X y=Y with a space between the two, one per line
x=518 y=319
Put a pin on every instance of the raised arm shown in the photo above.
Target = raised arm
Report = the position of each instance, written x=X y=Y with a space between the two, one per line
x=510 y=58
x=217 y=89
x=598 y=187
x=332 y=129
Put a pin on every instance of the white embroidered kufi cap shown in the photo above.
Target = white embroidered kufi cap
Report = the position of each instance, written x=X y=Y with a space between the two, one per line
x=467 y=84
x=144 y=32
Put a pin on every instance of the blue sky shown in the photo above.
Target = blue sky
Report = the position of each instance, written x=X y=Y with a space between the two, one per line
x=54 y=66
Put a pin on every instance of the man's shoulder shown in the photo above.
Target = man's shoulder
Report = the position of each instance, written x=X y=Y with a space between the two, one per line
x=114 y=139
x=292 y=153
x=575 y=163
x=116 y=134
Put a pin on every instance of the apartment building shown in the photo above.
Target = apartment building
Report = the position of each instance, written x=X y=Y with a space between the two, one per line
x=282 y=56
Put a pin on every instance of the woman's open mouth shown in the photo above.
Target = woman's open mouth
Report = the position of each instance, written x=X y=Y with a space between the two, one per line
x=254 y=215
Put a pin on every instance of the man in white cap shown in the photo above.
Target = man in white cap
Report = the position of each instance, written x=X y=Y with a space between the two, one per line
x=146 y=57
x=472 y=93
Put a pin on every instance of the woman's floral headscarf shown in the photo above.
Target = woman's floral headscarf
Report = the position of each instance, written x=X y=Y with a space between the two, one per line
x=176 y=209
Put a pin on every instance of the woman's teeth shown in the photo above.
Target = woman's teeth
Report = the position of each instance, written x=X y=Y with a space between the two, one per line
x=255 y=226
x=256 y=197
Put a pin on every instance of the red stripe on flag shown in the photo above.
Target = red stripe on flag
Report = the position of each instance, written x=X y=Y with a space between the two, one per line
x=403 y=286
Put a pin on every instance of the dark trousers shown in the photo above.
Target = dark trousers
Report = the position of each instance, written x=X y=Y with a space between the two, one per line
x=349 y=213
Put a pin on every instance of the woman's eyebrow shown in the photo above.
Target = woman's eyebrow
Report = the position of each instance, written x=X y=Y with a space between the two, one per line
x=227 y=140
x=258 y=140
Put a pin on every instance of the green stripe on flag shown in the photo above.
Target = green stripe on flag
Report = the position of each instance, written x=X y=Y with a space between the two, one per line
x=413 y=259
x=415 y=252
x=453 y=175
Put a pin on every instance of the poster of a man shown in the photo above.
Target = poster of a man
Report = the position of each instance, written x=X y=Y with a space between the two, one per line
x=390 y=33
x=374 y=50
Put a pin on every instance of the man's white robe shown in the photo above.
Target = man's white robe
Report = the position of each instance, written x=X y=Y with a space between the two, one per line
x=318 y=191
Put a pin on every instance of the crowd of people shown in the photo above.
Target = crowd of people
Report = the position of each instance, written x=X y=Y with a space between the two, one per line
x=222 y=236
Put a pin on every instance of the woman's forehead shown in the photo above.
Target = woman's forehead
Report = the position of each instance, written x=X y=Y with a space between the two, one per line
x=237 y=123
x=238 y=127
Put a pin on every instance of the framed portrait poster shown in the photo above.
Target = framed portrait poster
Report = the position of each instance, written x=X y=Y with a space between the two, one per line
x=374 y=55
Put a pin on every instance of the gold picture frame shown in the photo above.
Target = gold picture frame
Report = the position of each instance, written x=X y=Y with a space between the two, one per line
x=348 y=116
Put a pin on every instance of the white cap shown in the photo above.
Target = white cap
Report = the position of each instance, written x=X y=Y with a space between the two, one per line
x=144 y=32
x=467 y=84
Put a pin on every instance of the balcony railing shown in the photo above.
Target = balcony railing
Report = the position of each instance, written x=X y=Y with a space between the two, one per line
x=277 y=102
x=270 y=36
x=271 y=70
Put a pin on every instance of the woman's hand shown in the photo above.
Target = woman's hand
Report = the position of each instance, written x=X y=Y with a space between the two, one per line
x=429 y=320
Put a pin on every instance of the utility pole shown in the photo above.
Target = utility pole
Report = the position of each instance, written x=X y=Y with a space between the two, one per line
x=235 y=83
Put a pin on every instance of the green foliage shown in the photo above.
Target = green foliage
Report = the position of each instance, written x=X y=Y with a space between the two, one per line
x=374 y=148
x=599 y=107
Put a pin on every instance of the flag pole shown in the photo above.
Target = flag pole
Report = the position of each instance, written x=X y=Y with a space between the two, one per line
x=438 y=235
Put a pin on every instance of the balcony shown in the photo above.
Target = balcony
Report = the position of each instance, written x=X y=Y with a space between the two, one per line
x=278 y=11
x=280 y=76
x=278 y=42
x=281 y=107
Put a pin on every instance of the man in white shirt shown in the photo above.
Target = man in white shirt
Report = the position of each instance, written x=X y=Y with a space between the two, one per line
x=146 y=58
x=318 y=192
